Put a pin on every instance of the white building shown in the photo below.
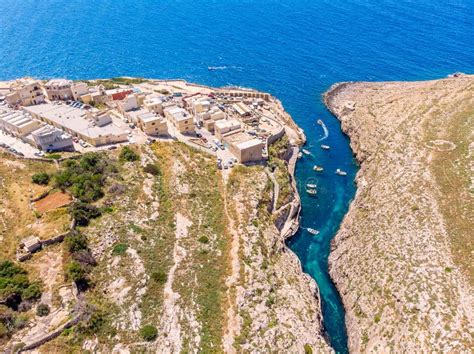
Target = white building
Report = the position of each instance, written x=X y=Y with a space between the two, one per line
x=59 y=89
x=154 y=104
x=49 y=138
x=18 y=123
x=25 y=92
x=79 y=89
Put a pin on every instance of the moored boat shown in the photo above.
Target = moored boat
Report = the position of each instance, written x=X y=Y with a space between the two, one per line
x=318 y=168
x=325 y=147
x=306 y=152
x=311 y=191
x=311 y=186
x=300 y=155
x=341 y=172
x=312 y=231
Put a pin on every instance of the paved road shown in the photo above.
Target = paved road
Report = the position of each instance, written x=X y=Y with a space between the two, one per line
x=18 y=144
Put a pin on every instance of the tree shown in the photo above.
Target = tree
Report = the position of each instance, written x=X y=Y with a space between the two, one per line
x=76 y=242
x=128 y=154
x=75 y=271
x=148 y=333
x=41 y=178
x=42 y=310
x=83 y=213
x=152 y=169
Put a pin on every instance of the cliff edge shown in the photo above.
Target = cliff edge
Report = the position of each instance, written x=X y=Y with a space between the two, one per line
x=403 y=257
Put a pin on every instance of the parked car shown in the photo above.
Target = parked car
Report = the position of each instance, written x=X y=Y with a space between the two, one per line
x=113 y=147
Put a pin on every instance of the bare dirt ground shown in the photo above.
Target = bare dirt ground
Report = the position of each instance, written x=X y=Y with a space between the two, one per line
x=52 y=201
x=403 y=258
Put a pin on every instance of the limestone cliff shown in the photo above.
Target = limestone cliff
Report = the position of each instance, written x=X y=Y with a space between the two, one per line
x=402 y=259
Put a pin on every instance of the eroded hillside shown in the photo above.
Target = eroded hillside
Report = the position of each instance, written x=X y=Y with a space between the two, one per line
x=170 y=258
x=403 y=258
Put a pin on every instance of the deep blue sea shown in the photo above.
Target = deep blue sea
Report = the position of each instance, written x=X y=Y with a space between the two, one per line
x=293 y=49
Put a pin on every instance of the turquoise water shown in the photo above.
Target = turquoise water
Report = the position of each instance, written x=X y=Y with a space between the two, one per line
x=294 y=49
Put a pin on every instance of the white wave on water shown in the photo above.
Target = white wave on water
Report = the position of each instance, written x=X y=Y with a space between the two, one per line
x=223 y=67
x=326 y=131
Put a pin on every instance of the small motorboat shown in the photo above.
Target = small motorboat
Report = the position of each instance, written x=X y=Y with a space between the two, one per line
x=311 y=186
x=312 y=231
x=318 y=168
x=325 y=147
x=311 y=191
x=320 y=122
x=341 y=172
x=306 y=152
x=300 y=155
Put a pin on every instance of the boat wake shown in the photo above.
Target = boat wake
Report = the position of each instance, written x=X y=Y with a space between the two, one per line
x=325 y=129
x=223 y=67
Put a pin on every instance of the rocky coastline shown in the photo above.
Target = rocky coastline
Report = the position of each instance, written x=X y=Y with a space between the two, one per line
x=397 y=259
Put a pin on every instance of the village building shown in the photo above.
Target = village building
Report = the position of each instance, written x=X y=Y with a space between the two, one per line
x=59 y=89
x=180 y=119
x=78 y=90
x=94 y=128
x=152 y=124
x=17 y=123
x=49 y=138
x=129 y=103
x=25 y=92
x=154 y=104
x=226 y=127
x=244 y=147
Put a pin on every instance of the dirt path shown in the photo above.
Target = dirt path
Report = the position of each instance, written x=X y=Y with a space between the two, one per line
x=232 y=327
x=171 y=310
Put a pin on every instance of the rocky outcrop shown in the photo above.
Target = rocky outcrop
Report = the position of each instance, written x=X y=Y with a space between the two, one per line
x=277 y=305
x=401 y=257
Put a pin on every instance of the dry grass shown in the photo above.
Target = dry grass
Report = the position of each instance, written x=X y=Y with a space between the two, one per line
x=17 y=219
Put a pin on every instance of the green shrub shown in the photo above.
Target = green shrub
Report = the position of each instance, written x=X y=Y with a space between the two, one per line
x=128 y=154
x=41 y=178
x=159 y=276
x=203 y=239
x=76 y=243
x=308 y=349
x=75 y=271
x=15 y=285
x=148 y=333
x=152 y=169
x=42 y=310
x=83 y=213
x=53 y=156
x=119 y=249
x=84 y=178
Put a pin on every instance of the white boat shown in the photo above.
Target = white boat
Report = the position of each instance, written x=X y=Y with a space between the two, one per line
x=300 y=155
x=341 y=172
x=312 y=231
x=318 y=168
x=311 y=191
x=311 y=186
x=325 y=147
x=306 y=152
x=320 y=122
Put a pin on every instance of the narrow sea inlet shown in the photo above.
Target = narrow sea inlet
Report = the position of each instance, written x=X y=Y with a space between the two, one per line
x=324 y=212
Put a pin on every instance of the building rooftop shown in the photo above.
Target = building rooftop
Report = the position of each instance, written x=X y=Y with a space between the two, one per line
x=58 y=82
x=149 y=117
x=74 y=119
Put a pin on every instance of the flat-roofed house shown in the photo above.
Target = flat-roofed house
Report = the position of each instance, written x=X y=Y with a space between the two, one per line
x=152 y=123
x=78 y=90
x=128 y=103
x=18 y=123
x=59 y=89
x=180 y=119
x=154 y=104
x=244 y=147
x=79 y=123
x=224 y=127
x=49 y=138
x=25 y=92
